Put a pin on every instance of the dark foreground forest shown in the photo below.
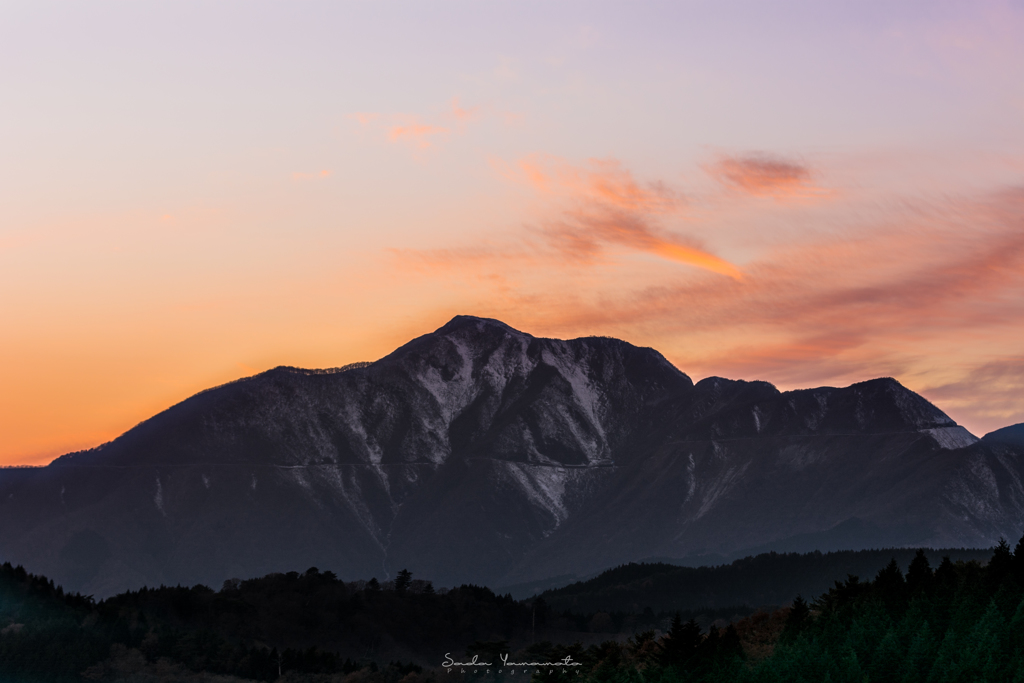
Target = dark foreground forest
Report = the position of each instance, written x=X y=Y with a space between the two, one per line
x=957 y=621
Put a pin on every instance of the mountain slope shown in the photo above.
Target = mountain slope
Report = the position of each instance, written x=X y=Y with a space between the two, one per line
x=482 y=454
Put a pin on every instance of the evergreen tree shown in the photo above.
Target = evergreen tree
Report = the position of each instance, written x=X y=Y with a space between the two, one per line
x=1000 y=566
x=945 y=580
x=984 y=650
x=730 y=645
x=890 y=587
x=680 y=644
x=920 y=655
x=849 y=668
x=1016 y=642
x=919 y=573
x=402 y=581
x=887 y=660
x=947 y=665
x=797 y=619
x=1018 y=561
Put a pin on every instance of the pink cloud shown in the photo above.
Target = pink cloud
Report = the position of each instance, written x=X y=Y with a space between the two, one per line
x=463 y=115
x=411 y=128
x=761 y=175
x=365 y=118
x=419 y=134
x=604 y=206
x=988 y=395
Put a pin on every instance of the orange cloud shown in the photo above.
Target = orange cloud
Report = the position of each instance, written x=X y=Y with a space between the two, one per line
x=695 y=257
x=418 y=133
x=411 y=128
x=987 y=394
x=463 y=115
x=365 y=118
x=606 y=206
x=601 y=180
x=763 y=175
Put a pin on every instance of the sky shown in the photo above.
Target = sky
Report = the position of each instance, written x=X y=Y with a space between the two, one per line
x=807 y=193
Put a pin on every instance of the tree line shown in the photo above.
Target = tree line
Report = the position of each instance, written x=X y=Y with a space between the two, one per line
x=954 y=621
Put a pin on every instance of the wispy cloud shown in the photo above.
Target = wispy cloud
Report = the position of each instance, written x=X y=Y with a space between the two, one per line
x=464 y=115
x=602 y=206
x=600 y=180
x=420 y=134
x=763 y=175
x=989 y=395
x=365 y=118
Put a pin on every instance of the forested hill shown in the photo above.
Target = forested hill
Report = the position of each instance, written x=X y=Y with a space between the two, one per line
x=964 y=617
x=770 y=579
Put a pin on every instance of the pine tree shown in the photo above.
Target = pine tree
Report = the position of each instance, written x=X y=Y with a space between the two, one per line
x=680 y=643
x=919 y=573
x=1000 y=566
x=797 y=619
x=849 y=667
x=1018 y=561
x=402 y=581
x=920 y=655
x=891 y=588
x=1015 y=643
x=947 y=665
x=985 y=650
x=887 y=660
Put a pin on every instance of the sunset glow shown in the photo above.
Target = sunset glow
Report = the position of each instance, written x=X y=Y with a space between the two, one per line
x=808 y=194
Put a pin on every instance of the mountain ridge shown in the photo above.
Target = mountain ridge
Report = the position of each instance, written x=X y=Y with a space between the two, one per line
x=479 y=453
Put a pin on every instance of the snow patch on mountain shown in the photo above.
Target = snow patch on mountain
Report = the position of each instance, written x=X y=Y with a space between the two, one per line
x=715 y=488
x=584 y=393
x=975 y=490
x=298 y=475
x=692 y=477
x=349 y=491
x=543 y=486
x=813 y=418
x=800 y=454
x=951 y=438
x=158 y=499
x=451 y=395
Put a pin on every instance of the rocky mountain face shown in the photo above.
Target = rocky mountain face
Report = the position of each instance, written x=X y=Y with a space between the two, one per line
x=482 y=454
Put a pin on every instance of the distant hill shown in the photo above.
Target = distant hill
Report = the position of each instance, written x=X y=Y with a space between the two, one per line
x=767 y=580
x=481 y=454
x=1009 y=436
x=306 y=623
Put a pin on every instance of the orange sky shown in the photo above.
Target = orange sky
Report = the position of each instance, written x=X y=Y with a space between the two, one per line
x=191 y=194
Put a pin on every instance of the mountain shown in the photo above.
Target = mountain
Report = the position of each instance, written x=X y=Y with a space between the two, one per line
x=482 y=454
x=1009 y=436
